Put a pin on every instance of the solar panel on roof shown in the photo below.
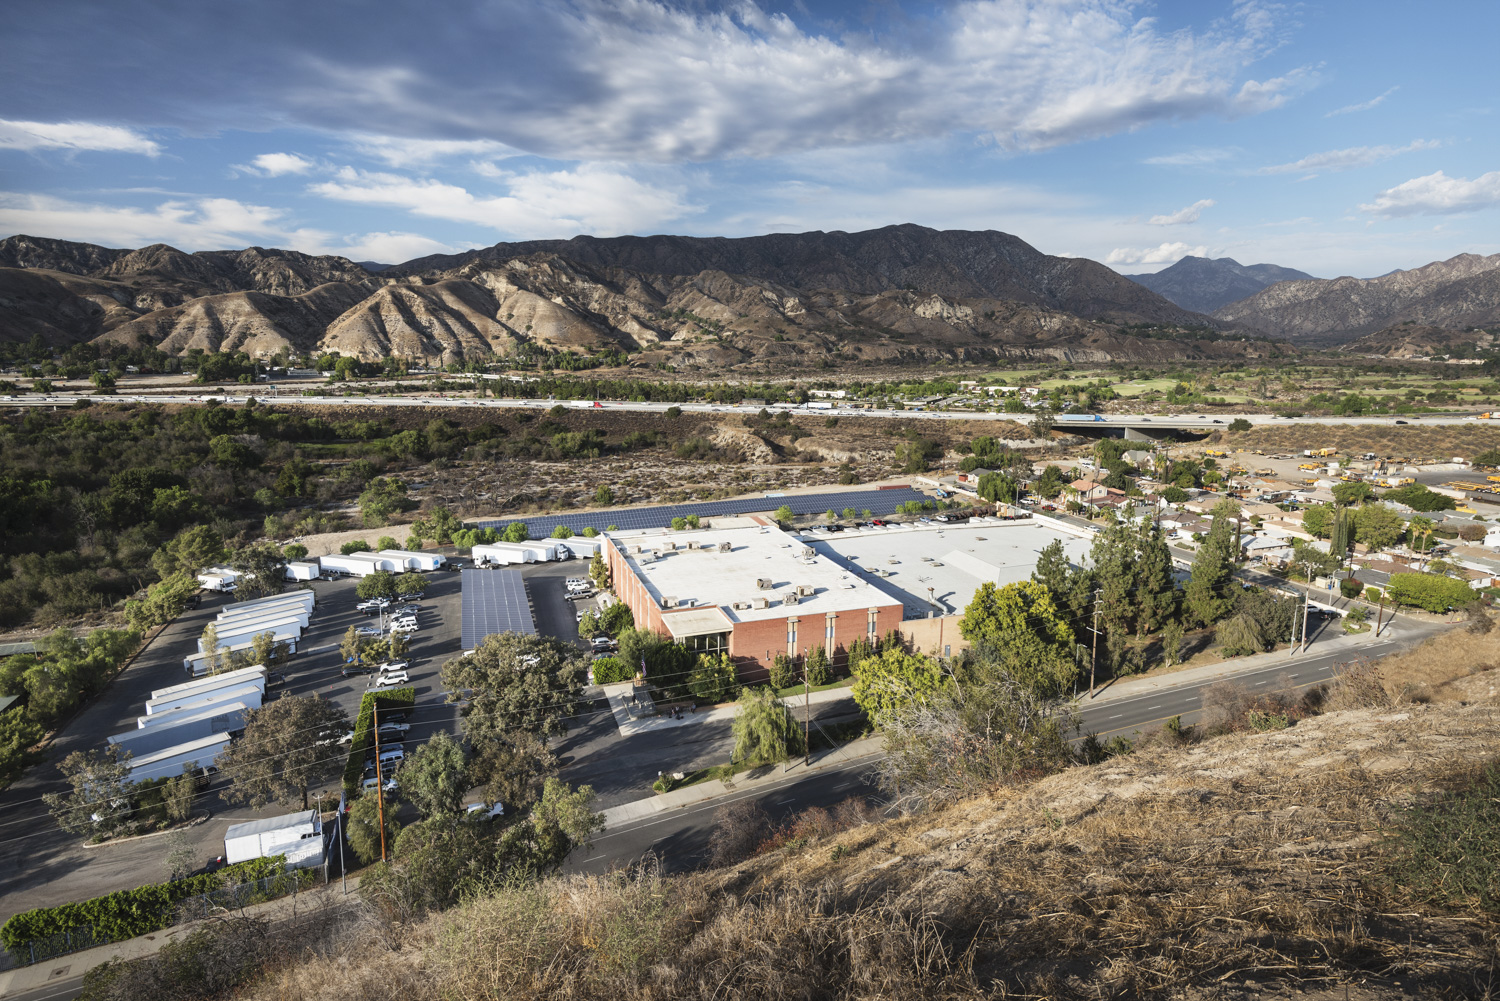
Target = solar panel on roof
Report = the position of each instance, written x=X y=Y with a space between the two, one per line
x=877 y=502
x=494 y=601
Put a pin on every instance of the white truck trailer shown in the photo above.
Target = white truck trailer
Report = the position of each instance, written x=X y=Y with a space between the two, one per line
x=169 y=762
x=205 y=700
x=269 y=611
x=218 y=580
x=582 y=547
x=194 y=726
x=244 y=632
x=355 y=564
x=298 y=836
x=250 y=700
x=415 y=560
x=227 y=679
x=506 y=553
x=278 y=603
x=302 y=570
x=307 y=598
x=196 y=664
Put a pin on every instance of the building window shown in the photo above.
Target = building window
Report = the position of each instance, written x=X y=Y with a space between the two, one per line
x=828 y=631
x=791 y=636
x=871 y=628
x=712 y=644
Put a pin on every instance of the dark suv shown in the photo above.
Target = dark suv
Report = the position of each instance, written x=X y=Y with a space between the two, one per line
x=352 y=670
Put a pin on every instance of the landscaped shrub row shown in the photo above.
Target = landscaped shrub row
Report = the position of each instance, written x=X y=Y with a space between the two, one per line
x=129 y=913
x=364 y=730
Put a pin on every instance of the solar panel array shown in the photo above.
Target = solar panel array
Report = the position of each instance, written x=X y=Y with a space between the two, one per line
x=877 y=502
x=494 y=601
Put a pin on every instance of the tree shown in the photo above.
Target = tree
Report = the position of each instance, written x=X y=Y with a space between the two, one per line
x=590 y=532
x=1042 y=424
x=1239 y=424
x=191 y=550
x=380 y=584
x=266 y=652
x=386 y=542
x=99 y=797
x=1258 y=622
x=512 y=769
x=1072 y=589
x=215 y=656
x=569 y=811
x=1342 y=535
x=783 y=671
x=1312 y=561
x=295 y=551
x=1174 y=494
x=784 y=514
x=1018 y=630
x=384 y=497
x=1050 y=483
x=997 y=488
x=1207 y=594
x=1318 y=520
x=261 y=571
x=177 y=794
x=353 y=647
x=1430 y=591
x=516 y=531
x=354 y=546
x=275 y=759
x=1348 y=494
x=434 y=777
x=529 y=683
x=713 y=679
x=893 y=678
x=180 y=856
x=439 y=526
x=599 y=572
x=1420 y=498
x=363 y=826
x=562 y=532
x=764 y=730
x=1155 y=587
x=1171 y=641
x=604 y=496
x=1377 y=526
x=815 y=666
x=408 y=584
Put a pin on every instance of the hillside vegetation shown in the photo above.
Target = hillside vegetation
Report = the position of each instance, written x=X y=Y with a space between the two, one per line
x=1352 y=854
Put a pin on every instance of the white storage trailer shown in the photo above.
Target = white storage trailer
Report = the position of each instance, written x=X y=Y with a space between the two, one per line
x=203 y=700
x=357 y=564
x=194 y=726
x=244 y=632
x=298 y=570
x=197 y=664
x=291 y=603
x=217 y=581
x=168 y=763
x=505 y=553
x=582 y=547
x=298 y=836
x=228 y=679
x=414 y=560
x=307 y=598
x=233 y=623
x=250 y=700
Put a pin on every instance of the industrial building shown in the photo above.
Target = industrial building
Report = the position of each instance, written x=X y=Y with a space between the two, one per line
x=755 y=591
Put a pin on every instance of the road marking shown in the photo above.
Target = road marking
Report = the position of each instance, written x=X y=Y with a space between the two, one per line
x=1266 y=682
x=1153 y=707
x=1117 y=717
x=784 y=802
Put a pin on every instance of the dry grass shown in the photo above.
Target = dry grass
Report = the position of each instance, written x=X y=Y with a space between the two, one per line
x=1436 y=669
x=1419 y=440
x=1169 y=873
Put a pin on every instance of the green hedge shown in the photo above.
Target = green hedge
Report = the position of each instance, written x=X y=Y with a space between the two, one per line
x=129 y=913
x=364 y=730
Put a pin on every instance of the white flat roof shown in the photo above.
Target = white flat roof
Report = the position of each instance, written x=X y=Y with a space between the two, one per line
x=954 y=562
x=709 y=577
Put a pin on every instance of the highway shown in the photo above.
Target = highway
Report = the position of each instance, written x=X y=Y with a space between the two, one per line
x=1193 y=423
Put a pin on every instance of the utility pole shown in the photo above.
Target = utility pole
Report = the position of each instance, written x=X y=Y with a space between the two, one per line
x=1094 y=654
x=1380 y=614
x=379 y=779
x=806 y=716
x=1306 y=607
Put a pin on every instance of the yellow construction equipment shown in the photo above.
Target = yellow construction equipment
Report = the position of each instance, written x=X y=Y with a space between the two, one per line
x=1217 y=453
x=1309 y=465
x=1326 y=451
x=1493 y=479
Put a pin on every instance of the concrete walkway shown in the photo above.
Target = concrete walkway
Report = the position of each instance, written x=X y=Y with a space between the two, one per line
x=865 y=748
x=635 y=713
x=59 y=971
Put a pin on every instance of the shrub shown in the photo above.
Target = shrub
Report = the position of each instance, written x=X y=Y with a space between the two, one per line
x=364 y=730
x=1448 y=851
x=611 y=671
x=783 y=672
x=1350 y=587
x=355 y=546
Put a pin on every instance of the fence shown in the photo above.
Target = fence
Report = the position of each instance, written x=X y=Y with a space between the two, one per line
x=196 y=908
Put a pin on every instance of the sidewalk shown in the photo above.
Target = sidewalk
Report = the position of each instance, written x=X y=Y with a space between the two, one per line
x=1351 y=645
x=62 y=969
x=633 y=717
x=769 y=775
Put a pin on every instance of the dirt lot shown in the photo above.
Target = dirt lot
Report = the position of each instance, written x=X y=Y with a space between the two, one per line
x=1416 y=441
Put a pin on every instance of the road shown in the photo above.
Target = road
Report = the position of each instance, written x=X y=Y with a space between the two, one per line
x=1196 y=423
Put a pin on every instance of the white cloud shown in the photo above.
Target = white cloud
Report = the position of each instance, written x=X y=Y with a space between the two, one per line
x=592 y=198
x=1347 y=159
x=74 y=136
x=389 y=248
x=1189 y=214
x=401 y=153
x=279 y=164
x=1350 y=109
x=1438 y=194
x=1167 y=253
x=1192 y=157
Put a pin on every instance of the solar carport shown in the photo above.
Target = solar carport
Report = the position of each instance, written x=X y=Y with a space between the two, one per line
x=494 y=601
x=878 y=502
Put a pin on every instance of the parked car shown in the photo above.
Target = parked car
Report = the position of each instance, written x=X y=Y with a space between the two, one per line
x=404 y=620
x=414 y=596
x=372 y=783
x=275 y=679
x=368 y=631
x=941 y=517
x=404 y=627
x=391 y=680
x=373 y=603
x=407 y=610
x=393 y=731
x=352 y=670
x=483 y=811
x=602 y=643
x=391 y=666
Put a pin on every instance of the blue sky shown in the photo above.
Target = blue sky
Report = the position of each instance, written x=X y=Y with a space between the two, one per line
x=1349 y=137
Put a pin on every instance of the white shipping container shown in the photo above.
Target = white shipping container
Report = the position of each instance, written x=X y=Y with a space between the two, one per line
x=351 y=564
x=166 y=764
x=263 y=614
x=195 y=726
x=415 y=560
x=582 y=547
x=240 y=623
x=225 y=680
x=250 y=700
x=502 y=554
x=204 y=700
x=307 y=598
x=196 y=664
x=302 y=571
x=272 y=836
x=244 y=632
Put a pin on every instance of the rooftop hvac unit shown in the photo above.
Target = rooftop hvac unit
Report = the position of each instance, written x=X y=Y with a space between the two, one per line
x=806 y=590
x=636 y=549
x=765 y=583
x=808 y=552
x=669 y=603
x=760 y=603
x=742 y=605
x=725 y=547
x=790 y=598
x=669 y=546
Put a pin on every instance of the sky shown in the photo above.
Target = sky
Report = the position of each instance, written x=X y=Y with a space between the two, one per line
x=1339 y=137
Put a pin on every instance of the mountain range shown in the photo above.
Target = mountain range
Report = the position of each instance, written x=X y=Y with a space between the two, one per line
x=812 y=299
x=1204 y=284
